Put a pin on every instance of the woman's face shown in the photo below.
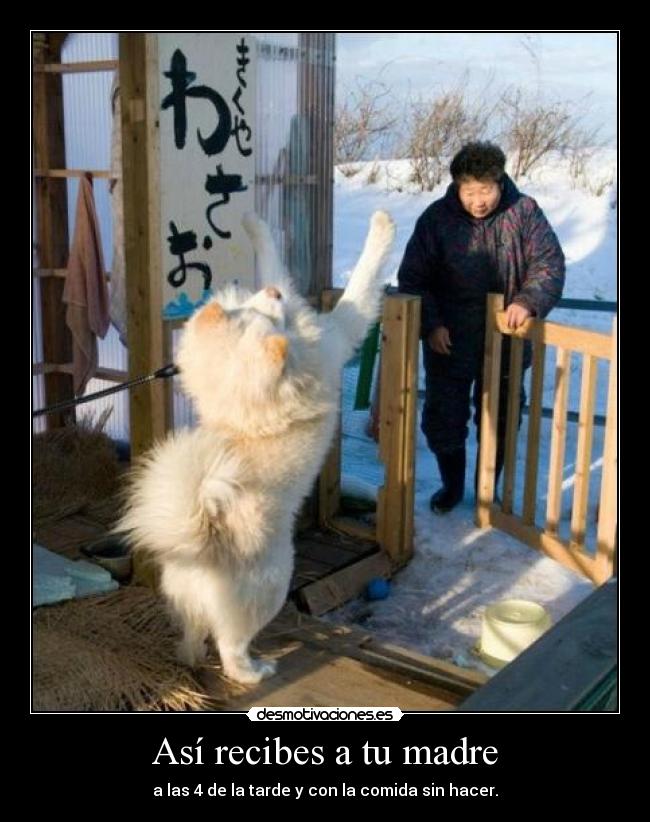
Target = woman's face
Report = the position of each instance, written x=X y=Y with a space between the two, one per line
x=479 y=197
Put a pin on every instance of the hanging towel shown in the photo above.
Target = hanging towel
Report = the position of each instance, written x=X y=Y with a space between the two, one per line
x=85 y=289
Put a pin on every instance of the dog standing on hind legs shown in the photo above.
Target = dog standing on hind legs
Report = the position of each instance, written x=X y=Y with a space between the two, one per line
x=215 y=506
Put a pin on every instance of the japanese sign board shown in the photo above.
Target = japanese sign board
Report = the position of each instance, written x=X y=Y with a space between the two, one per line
x=207 y=164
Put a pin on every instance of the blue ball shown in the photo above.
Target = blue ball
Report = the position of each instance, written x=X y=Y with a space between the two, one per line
x=377 y=588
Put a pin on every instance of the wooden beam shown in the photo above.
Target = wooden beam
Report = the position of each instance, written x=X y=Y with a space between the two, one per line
x=565 y=336
x=67 y=173
x=39 y=368
x=51 y=202
x=340 y=587
x=74 y=68
x=140 y=158
x=61 y=273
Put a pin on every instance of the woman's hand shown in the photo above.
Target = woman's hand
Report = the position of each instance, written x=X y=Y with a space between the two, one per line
x=439 y=340
x=516 y=315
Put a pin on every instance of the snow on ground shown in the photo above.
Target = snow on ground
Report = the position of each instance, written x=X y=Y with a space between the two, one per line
x=436 y=602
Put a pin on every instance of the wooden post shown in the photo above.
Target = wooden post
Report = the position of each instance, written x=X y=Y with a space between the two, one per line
x=140 y=169
x=51 y=204
x=397 y=412
x=489 y=411
x=608 y=512
x=140 y=158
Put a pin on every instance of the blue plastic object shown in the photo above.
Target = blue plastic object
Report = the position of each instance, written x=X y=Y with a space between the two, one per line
x=377 y=588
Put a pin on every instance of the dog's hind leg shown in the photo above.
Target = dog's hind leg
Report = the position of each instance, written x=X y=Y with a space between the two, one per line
x=192 y=648
x=187 y=616
x=245 y=607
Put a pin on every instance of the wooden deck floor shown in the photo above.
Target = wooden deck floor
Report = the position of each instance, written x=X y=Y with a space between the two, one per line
x=319 y=664
x=323 y=665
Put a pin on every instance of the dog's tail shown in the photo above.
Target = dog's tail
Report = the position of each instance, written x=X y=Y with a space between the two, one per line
x=177 y=495
x=221 y=486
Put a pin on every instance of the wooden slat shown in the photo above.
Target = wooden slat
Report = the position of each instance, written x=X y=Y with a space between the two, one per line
x=56 y=173
x=565 y=336
x=340 y=587
x=512 y=423
x=76 y=68
x=577 y=339
x=67 y=535
x=308 y=571
x=331 y=553
x=111 y=374
x=608 y=510
x=61 y=273
x=583 y=454
x=577 y=561
x=39 y=368
x=108 y=374
x=489 y=411
x=350 y=526
x=534 y=432
x=558 y=440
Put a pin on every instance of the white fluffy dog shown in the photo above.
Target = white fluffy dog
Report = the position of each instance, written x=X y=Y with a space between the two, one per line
x=215 y=506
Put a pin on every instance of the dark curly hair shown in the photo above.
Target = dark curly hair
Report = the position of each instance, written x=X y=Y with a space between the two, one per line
x=482 y=161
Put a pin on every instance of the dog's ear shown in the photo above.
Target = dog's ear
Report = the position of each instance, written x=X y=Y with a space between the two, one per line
x=276 y=348
x=209 y=316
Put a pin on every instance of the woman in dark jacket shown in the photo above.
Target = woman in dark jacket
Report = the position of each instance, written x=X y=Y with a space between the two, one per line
x=482 y=236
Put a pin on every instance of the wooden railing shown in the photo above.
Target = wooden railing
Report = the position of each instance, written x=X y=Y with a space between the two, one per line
x=598 y=565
